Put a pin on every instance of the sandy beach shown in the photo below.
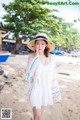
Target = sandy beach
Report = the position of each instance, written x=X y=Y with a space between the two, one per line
x=13 y=91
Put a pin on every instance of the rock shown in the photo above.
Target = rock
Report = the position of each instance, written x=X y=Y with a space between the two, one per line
x=1 y=72
x=1 y=87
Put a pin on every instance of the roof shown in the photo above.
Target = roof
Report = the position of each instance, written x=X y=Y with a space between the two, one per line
x=3 y=30
x=13 y=41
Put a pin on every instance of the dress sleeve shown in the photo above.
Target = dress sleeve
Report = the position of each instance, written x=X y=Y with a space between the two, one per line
x=55 y=86
x=31 y=66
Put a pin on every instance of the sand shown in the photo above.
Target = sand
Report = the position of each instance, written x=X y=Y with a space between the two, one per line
x=13 y=91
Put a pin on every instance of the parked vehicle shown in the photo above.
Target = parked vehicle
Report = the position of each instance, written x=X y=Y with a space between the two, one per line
x=75 y=54
x=57 y=52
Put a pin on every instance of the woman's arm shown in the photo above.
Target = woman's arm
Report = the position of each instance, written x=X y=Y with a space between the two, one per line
x=30 y=65
x=55 y=86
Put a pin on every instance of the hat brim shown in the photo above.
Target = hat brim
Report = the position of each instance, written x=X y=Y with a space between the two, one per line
x=50 y=45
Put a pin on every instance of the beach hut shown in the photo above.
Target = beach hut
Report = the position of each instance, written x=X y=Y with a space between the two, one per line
x=2 y=31
x=3 y=54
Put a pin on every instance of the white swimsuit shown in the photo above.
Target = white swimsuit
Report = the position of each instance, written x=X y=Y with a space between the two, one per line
x=44 y=85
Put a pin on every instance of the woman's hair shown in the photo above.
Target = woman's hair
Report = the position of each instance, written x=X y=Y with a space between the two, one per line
x=46 y=50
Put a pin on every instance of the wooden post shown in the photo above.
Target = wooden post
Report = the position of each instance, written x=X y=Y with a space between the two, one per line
x=0 y=41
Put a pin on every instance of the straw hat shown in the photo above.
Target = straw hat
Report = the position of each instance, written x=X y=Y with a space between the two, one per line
x=41 y=36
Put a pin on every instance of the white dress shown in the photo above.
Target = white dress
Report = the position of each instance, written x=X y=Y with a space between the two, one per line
x=44 y=88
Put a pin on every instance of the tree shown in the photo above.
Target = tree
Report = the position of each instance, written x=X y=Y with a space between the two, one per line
x=25 y=18
x=69 y=36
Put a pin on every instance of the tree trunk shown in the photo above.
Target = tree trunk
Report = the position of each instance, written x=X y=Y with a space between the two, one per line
x=17 y=45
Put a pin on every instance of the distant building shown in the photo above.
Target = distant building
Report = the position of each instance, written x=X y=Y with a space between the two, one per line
x=2 y=31
x=10 y=45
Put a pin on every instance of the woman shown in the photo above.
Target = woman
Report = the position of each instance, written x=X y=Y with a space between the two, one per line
x=41 y=70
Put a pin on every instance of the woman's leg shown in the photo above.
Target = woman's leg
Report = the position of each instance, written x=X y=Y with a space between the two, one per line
x=34 y=113
x=42 y=109
x=37 y=114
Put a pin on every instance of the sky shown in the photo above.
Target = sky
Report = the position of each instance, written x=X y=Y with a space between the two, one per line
x=68 y=12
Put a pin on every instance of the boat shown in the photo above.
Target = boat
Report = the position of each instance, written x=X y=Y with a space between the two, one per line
x=4 y=56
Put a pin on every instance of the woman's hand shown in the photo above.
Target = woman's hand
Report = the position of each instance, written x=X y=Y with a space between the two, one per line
x=37 y=51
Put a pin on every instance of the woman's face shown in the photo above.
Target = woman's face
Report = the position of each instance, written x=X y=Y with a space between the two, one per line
x=40 y=45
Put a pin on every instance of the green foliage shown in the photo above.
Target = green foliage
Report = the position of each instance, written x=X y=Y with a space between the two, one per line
x=69 y=35
x=27 y=17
